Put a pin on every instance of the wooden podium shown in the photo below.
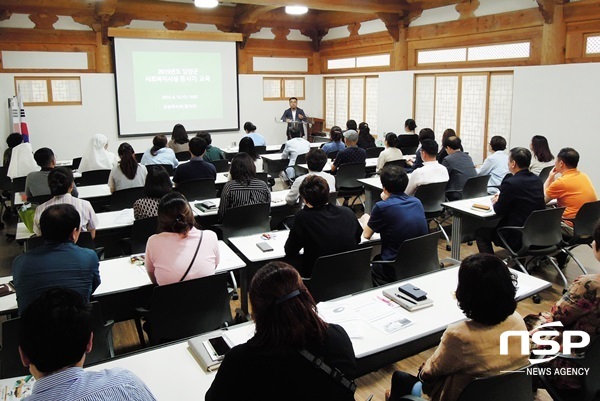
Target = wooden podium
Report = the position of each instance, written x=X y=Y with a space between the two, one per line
x=315 y=128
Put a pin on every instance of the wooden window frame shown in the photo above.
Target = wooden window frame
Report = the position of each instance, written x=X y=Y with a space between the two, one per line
x=585 y=40
x=478 y=62
x=282 y=88
x=49 y=80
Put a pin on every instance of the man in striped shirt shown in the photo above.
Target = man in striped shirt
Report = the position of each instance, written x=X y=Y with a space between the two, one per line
x=55 y=336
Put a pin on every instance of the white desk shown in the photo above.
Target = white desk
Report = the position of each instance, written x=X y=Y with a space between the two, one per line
x=373 y=189
x=277 y=200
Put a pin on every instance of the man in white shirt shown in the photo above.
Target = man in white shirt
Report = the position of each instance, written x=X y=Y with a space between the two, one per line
x=496 y=164
x=316 y=160
x=431 y=172
x=293 y=147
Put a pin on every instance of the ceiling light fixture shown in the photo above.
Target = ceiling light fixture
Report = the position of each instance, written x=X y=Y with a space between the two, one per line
x=296 y=10
x=206 y=3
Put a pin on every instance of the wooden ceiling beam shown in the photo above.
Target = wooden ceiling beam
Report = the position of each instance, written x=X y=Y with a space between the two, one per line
x=582 y=11
x=355 y=6
x=153 y=10
x=55 y=7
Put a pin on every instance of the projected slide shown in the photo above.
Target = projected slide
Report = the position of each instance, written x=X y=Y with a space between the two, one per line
x=161 y=83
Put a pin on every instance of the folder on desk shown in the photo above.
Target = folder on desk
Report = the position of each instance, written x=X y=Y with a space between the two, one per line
x=405 y=301
x=202 y=356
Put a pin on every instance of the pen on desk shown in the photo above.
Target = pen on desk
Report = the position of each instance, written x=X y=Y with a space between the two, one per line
x=385 y=300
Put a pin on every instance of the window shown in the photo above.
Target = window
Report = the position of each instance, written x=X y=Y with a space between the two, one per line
x=476 y=105
x=49 y=91
x=378 y=60
x=351 y=98
x=503 y=51
x=592 y=44
x=283 y=88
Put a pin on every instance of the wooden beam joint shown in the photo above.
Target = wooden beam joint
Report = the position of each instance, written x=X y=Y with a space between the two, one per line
x=43 y=21
x=316 y=34
x=467 y=8
x=5 y=14
x=392 y=24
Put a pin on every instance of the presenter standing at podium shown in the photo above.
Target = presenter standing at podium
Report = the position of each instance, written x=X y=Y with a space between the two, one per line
x=295 y=117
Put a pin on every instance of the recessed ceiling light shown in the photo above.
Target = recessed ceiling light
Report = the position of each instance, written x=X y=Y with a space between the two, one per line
x=206 y=3
x=296 y=10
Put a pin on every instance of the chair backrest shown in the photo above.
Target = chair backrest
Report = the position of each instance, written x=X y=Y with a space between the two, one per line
x=188 y=308
x=102 y=347
x=141 y=230
x=347 y=174
x=201 y=188
x=374 y=152
x=261 y=150
x=38 y=200
x=585 y=220
x=246 y=220
x=542 y=231
x=183 y=156
x=18 y=184
x=94 y=177
x=399 y=163
x=417 y=256
x=333 y=155
x=545 y=173
x=76 y=163
x=301 y=158
x=263 y=176
x=222 y=165
x=408 y=144
x=432 y=196
x=125 y=198
x=514 y=386
x=475 y=187
x=85 y=241
x=340 y=274
x=138 y=157
x=169 y=168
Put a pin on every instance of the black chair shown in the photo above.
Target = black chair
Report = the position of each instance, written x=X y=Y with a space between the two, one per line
x=545 y=173
x=102 y=347
x=125 y=198
x=198 y=189
x=474 y=187
x=416 y=256
x=399 y=163
x=76 y=163
x=583 y=230
x=333 y=155
x=244 y=220
x=408 y=144
x=38 y=200
x=94 y=177
x=6 y=193
x=340 y=274
x=169 y=168
x=183 y=156
x=374 y=152
x=18 y=184
x=141 y=230
x=265 y=177
x=540 y=237
x=346 y=183
x=185 y=309
x=85 y=241
x=222 y=165
x=261 y=150
x=432 y=196
x=138 y=157
x=300 y=159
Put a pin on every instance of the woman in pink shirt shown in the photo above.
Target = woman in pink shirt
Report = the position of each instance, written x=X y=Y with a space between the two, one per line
x=180 y=251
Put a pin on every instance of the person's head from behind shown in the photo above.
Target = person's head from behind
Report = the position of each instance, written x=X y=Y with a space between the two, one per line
x=14 y=139
x=391 y=140
x=448 y=132
x=497 y=143
x=158 y=142
x=60 y=181
x=486 y=289
x=44 y=157
x=55 y=332
x=175 y=214
x=126 y=151
x=394 y=179
x=351 y=137
x=351 y=124
x=60 y=223
x=294 y=132
x=206 y=136
x=158 y=183
x=566 y=159
x=249 y=127
x=100 y=141
x=426 y=133
x=247 y=146
x=316 y=159
x=410 y=125
x=315 y=191
x=197 y=146
x=128 y=163
x=363 y=129
x=519 y=159
x=179 y=134
x=282 y=309
x=429 y=149
x=242 y=169
x=452 y=144
x=596 y=242
x=541 y=149
x=336 y=134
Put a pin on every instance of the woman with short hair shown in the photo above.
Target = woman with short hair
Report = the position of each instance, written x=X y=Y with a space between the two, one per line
x=159 y=153
x=158 y=184
x=128 y=173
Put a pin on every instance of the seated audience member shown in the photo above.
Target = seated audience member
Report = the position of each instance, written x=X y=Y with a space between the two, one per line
x=55 y=336
x=180 y=251
x=22 y=161
x=365 y=139
x=159 y=153
x=212 y=152
x=320 y=227
x=258 y=139
x=409 y=127
x=431 y=172
x=37 y=181
x=460 y=168
x=442 y=153
x=158 y=184
x=335 y=143
x=496 y=164
x=287 y=323
x=397 y=217
x=247 y=146
x=391 y=151
x=469 y=349
x=244 y=188
x=197 y=167
x=351 y=125
x=521 y=193
x=542 y=156
x=578 y=309
x=179 y=139
x=352 y=153
x=60 y=181
x=128 y=173
x=96 y=157
x=425 y=133
x=316 y=160
x=295 y=146
x=12 y=141
x=59 y=262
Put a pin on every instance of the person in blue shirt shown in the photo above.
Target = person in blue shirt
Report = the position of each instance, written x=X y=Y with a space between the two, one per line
x=336 y=144
x=59 y=262
x=397 y=217
x=159 y=153
x=258 y=139
x=55 y=336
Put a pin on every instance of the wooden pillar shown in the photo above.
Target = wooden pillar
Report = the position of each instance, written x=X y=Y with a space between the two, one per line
x=401 y=51
x=554 y=35
x=103 y=55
